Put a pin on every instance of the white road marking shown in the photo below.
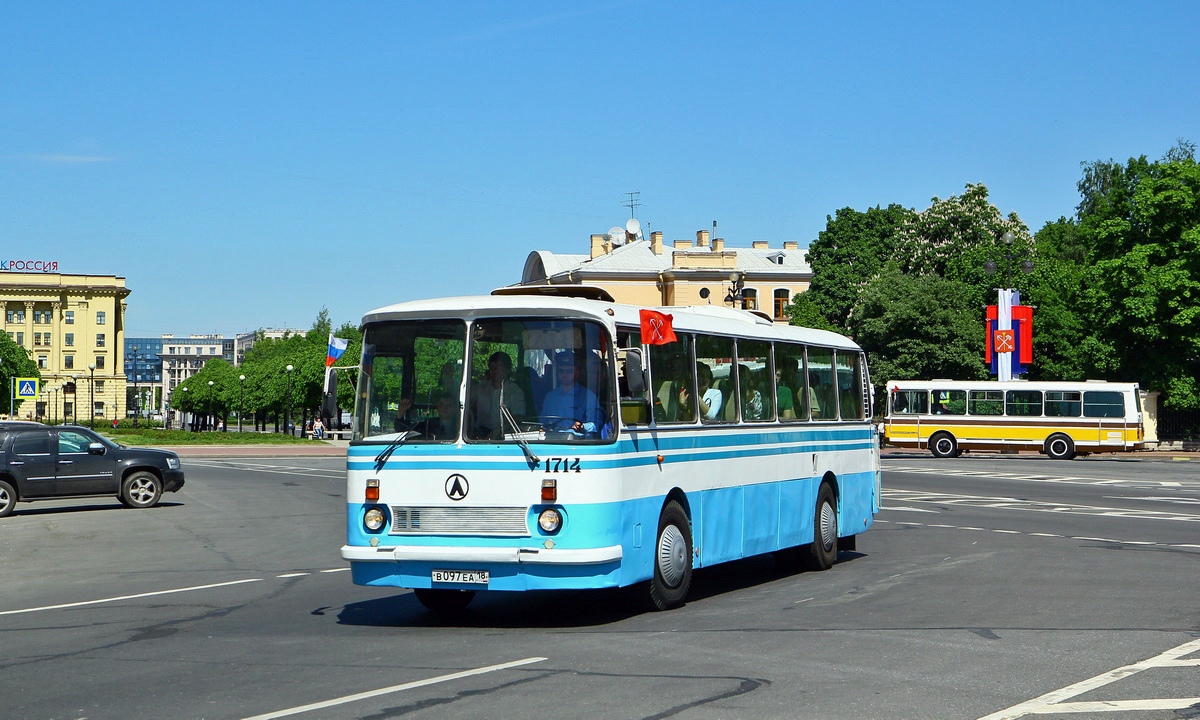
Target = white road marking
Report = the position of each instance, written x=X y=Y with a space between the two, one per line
x=128 y=597
x=910 y=509
x=395 y=688
x=1052 y=702
x=1012 y=503
x=279 y=469
x=155 y=593
x=1060 y=479
x=1148 y=543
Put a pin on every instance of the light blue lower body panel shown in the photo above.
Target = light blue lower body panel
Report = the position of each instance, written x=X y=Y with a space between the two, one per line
x=727 y=524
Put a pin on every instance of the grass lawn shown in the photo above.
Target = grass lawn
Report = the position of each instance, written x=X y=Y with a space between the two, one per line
x=145 y=437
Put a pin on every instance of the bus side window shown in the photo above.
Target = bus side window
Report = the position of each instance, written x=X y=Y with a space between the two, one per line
x=635 y=409
x=949 y=402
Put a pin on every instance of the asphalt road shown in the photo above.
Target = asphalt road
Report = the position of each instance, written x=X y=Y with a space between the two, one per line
x=988 y=583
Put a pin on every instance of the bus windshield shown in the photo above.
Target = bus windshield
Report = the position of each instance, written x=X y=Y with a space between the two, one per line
x=525 y=380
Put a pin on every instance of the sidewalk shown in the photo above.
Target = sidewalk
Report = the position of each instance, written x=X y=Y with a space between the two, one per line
x=329 y=448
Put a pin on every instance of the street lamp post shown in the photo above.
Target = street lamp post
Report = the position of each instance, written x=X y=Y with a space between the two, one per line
x=287 y=413
x=92 y=394
x=74 y=400
x=734 y=296
x=136 y=403
x=187 y=394
x=210 y=399
x=241 y=401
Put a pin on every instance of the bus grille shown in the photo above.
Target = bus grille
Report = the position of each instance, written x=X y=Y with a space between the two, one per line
x=459 y=521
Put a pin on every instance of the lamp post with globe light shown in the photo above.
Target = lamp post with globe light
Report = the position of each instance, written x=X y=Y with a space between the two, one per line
x=287 y=413
x=241 y=401
x=92 y=394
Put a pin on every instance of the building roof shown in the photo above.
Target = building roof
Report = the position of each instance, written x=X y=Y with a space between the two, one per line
x=638 y=257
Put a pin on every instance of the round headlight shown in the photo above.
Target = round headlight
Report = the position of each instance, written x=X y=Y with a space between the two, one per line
x=374 y=519
x=550 y=520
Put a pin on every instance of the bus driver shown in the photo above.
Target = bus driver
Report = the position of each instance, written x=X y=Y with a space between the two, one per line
x=571 y=406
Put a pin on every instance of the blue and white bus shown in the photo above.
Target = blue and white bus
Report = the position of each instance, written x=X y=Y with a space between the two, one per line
x=533 y=441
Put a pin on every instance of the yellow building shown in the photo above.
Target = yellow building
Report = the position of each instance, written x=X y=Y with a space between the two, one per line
x=645 y=272
x=73 y=327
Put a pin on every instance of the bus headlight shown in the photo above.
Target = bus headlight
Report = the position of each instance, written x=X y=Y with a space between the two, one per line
x=550 y=520
x=374 y=519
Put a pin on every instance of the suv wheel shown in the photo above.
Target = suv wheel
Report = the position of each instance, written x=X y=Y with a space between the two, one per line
x=141 y=490
x=8 y=498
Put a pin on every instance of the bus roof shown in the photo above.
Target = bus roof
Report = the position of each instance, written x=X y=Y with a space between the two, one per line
x=715 y=319
x=1008 y=385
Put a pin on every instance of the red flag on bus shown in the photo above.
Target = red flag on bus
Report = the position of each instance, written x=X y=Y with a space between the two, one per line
x=656 y=328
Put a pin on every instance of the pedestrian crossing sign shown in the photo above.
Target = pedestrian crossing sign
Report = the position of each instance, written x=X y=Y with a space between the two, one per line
x=26 y=388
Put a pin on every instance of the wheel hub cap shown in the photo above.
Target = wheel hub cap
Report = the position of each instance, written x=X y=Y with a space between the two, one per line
x=672 y=555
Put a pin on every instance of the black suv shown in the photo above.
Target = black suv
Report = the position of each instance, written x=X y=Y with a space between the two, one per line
x=39 y=462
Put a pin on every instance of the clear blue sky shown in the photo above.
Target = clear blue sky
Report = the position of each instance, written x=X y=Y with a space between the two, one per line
x=243 y=164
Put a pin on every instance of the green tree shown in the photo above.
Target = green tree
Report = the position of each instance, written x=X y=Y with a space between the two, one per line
x=847 y=255
x=1141 y=288
x=1057 y=285
x=804 y=312
x=919 y=328
x=14 y=363
x=957 y=237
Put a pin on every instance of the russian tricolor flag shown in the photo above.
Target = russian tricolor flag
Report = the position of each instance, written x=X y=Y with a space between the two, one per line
x=337 y=346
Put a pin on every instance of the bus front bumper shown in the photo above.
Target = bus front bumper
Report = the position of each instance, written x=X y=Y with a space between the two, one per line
x=455 y=554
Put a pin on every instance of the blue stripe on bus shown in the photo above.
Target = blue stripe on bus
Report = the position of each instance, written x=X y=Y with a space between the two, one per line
x=708 y=447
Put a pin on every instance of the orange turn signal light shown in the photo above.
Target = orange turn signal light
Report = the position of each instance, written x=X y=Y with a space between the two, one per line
x=372 y=489
x=549 y=490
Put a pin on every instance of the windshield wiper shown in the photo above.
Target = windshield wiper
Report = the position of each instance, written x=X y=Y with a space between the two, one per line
x=382 y=458
x=507 y=416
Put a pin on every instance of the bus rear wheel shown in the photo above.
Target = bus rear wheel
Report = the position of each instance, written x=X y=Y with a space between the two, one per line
x=943 y=445
x=672 y=559
x=1060 y=447
x=444 y=602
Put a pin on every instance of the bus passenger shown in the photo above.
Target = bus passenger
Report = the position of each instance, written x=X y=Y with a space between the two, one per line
x=710 y=397
x=570 y=406
x=787 y=399
x=494 y=389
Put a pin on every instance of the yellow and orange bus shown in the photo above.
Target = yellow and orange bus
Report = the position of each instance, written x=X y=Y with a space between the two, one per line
x=1059 y=419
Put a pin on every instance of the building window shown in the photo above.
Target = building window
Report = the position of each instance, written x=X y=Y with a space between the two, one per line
x=99 y=386
x=41 y=316
x=68 y=362
x=69 y=339
x=99 y=339
x=750 y=299
x=41 y=362
x=69 y=317
x=781 y=303
x=98 y=408
x=37 y=339
x=99 y=317
x=99 y=362
x=20 y=338
x=15 y=316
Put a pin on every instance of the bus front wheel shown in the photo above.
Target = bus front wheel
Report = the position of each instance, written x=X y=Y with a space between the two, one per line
x=1060 y=447
x=672 y=559
x=822 y=551
x=943 y=445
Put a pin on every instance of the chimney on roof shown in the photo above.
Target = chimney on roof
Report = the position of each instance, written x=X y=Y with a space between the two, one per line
x=718 y=244
x=656 y=242
x=683 y=244
x=761 y=245
x=599 y=246
x=791 y=245
x=701 y=238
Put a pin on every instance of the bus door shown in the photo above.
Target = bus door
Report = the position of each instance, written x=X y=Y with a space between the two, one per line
x=904 y=420
x=1107 y=410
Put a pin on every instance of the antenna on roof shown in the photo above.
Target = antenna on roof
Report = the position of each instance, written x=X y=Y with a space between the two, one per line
x=633 y=203
x=616 y=235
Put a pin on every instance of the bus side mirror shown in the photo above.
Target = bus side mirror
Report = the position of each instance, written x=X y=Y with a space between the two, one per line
x=329 y=396
x=635 y=374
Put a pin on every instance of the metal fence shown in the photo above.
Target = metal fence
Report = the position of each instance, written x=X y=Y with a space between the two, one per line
x=1178 y=424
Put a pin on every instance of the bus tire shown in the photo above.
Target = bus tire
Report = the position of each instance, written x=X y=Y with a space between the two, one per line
x=1060 y=446
x=8 y=498
x=943 y=445
x=444 y=602
x=822 y=552
x=672 y=559
x=141 y=490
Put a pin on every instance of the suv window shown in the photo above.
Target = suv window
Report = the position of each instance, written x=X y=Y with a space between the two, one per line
x=32 y=443
x=72 y=442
